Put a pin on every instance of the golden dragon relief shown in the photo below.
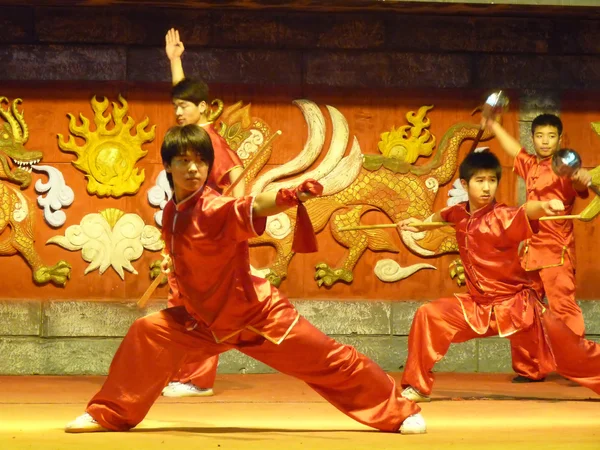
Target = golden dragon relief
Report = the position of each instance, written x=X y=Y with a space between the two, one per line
x=17 y=212
x=354 y=184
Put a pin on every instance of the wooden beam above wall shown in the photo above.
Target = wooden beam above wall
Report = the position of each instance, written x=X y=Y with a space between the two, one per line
x=573 y=8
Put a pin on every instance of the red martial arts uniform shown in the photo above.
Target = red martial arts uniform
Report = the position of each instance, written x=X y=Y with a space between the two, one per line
x=502 y=300
x=551 y=251
x=203 y=373
x=225 y=307
x=225 y=160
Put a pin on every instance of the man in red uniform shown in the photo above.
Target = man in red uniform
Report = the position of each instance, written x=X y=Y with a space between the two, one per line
x=190 y=100
x=502 y=299
x=551 y=252
x=225 y=307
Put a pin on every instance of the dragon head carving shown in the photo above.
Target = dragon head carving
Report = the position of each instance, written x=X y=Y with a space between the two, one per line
x=15 y=160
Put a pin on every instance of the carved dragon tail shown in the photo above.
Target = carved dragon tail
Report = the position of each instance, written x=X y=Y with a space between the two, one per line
x=216 y=113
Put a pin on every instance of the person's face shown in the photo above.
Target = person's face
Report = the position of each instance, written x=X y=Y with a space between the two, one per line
x=481 y=188
x=546 y=140
x=188 y=113
x=189 y=174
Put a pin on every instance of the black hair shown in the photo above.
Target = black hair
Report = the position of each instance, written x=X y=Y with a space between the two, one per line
x=191 y=90
x=474 y=162
x=190 y=138
x=547 y=120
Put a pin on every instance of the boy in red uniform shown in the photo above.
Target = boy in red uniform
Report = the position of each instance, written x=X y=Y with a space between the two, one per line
x=502 y=299
x=225 y=307
x=190 y=100
x=551 y=251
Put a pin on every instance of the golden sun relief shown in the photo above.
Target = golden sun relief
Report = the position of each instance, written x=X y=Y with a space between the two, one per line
x=109 y=155
x=408 y=142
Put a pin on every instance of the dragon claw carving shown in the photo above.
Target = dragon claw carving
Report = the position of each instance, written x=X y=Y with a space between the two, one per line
x=457 y=272
x=155 y=271
x=274 y=278
x=327 y=276
x=22 y=178
x=57 y=274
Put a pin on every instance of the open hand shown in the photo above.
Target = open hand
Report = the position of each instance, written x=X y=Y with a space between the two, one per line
x=173 y=45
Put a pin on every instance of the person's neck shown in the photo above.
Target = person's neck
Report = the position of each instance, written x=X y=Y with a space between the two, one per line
x=203 y=121
x=474 y=208
x=181 y=195
x=543 y=158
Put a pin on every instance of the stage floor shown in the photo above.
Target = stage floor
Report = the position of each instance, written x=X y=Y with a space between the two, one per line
x=468 y=411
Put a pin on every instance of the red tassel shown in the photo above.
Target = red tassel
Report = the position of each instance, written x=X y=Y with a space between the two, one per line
x=305 y=240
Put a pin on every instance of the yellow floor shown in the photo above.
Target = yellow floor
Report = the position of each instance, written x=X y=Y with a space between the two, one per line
x=276 y=412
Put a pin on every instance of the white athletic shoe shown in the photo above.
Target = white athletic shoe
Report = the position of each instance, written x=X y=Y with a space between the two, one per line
x=414 y=424
x=84 y=424
x=410 y=393
x=177 y=389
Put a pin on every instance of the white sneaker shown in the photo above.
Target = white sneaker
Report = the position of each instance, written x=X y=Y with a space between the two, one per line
x=410 y=393
x=177 y=389
x=84 y=424
x=414 y=424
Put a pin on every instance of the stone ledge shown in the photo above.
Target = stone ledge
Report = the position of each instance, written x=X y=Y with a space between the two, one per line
x=537 y=72
x=109 y=25
x=103 y=319
x=402 y=316
x=67 y=318
x=22 y=318
x=494 y=355
x=59 y=62
x=234 y=361
x=460 y=358
x=389 y=352
x=387 y=69
x=591 y=316
x=38 y=356
x=469 y=34
x=92 y=356
x=112 y=319
x=347 y=317
x=262 y=67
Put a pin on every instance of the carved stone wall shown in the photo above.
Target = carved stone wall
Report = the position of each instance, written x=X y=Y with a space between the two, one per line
x=346 y=49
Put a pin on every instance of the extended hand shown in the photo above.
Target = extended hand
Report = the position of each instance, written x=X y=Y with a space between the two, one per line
x=487 y=123
x=407 y=225
x=173 y=45
x=308 y=189
x=581 y=179
x=166 y=264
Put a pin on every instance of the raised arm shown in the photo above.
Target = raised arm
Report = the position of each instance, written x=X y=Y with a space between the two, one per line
x=174 y=49
x=507 y=142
